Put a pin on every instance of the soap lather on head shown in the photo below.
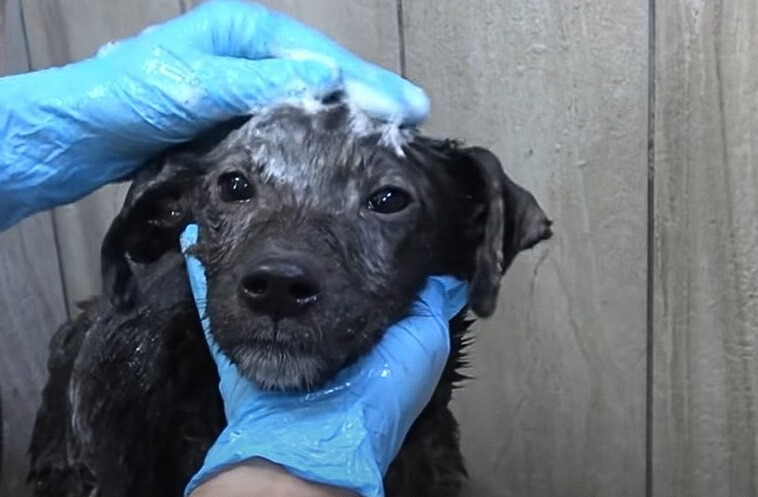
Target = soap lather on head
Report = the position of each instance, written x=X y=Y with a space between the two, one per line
x=411 y=108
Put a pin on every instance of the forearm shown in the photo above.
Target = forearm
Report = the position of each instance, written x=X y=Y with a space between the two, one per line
x=259 y=477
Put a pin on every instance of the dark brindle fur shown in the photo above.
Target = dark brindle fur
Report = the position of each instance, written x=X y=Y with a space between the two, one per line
x=306 y=267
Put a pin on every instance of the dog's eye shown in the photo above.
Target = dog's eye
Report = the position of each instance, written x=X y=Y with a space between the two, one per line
x=234 y=187
x=388 y=200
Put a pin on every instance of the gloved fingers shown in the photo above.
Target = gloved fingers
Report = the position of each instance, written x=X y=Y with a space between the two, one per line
x=412 y=353
x=240 y=29
x=398 y=101
x=187 y=240
x=417 y=348
x=407 y=362
x=380 y=93
x=234 y=388
x=177 y=94
x=392 y=384
x=444 y=295
x=236 y=87
x=227 y=28
x=199 y=285
x=398 y=377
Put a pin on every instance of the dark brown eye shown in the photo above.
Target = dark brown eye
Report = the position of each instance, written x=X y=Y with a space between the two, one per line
x=388 y=200
x=234 y=187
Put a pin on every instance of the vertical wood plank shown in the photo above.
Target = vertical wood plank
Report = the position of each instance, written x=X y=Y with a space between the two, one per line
x=32 y=307
x=13 y=54
x=31 y=300
x=558 y=90
x=64 y=31
x=366 y=27
x=706 y=314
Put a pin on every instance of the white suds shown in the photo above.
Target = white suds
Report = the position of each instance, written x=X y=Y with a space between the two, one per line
x=360 y=124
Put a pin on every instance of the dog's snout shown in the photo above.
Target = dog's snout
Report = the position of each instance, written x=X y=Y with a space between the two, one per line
x=280 y=288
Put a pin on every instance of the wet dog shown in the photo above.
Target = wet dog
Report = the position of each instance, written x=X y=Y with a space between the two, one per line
x=318 y=227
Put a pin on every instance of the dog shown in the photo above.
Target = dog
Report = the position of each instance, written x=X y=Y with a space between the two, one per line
x=318 y=226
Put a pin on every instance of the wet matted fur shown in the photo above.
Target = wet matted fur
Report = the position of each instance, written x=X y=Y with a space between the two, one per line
x=351 y=214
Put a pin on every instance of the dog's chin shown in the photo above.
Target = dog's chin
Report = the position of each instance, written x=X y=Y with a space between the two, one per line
x=274 y=366
x=292 y=354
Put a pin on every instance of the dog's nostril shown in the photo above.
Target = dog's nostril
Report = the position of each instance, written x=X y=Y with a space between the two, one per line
x=303 y=292
x=279 y=288
x=255 y=285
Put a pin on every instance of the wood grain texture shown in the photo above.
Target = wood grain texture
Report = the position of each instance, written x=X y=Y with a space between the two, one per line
x=31 y=301
x=32 y=307
x=706 y=320
x=64 y=31
x=558 y=91
x=366 y=27
x=13 y=55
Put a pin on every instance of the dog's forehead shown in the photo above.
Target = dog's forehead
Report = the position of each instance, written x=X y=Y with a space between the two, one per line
x=308 y=143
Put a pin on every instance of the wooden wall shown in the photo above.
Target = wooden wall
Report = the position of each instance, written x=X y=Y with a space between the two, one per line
x=560 y=91
x=557 y=89
x=32 y=301
x=706 y=250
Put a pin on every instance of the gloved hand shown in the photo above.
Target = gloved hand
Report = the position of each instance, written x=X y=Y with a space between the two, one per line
x=347 y=433
x=67 y=131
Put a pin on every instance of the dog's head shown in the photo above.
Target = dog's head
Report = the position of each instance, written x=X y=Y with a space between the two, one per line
x=317 y=228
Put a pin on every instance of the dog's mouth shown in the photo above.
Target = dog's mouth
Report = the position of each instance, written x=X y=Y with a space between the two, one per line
x=276 y=366
x=278 y=335
x=278 y=354
x=287 y=334
x=296 y=353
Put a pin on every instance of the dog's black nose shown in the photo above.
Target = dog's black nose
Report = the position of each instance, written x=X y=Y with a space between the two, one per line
x=279 y=288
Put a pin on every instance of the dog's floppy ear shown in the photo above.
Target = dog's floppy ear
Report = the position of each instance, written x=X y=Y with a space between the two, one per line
x=510 y=221
x=155 y=212
x=157 y=209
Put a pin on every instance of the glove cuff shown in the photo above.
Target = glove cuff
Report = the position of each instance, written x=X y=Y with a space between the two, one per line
x=337 y=450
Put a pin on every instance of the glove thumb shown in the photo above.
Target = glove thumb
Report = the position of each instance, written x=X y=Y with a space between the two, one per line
x=443 y=295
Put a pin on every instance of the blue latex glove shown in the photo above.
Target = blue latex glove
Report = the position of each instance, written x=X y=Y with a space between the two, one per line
x=347 y=433
x=67 y=131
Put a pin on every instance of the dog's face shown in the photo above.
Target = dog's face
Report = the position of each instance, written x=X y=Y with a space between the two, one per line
x=318 y=226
